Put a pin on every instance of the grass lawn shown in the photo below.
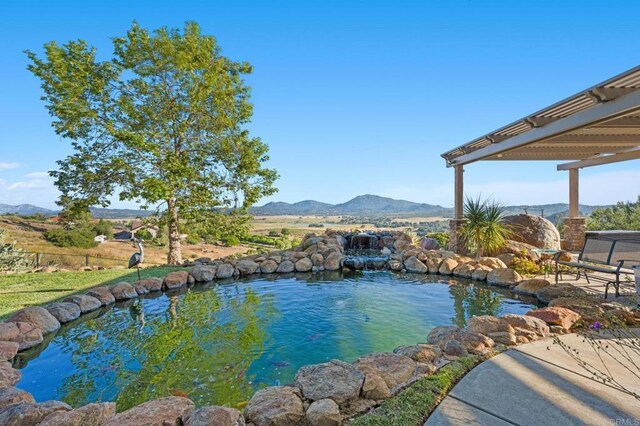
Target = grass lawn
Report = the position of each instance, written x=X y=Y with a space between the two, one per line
x=20 y=290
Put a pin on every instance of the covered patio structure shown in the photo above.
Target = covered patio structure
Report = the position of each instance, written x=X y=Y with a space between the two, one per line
x=600 y=125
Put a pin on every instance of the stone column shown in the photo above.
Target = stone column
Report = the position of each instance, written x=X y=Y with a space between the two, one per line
x=456 y=243
x=574 y=233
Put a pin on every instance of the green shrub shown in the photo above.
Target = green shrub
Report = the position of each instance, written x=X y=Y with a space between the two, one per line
x=193 y=239
x=11 y=257
x=76 y=237
x=525 y=266
x=285 y=231
x=441 y=237
x=483 y=230
x=230 y=241
x=103 y=227
x=144 y=234
x=316 y=225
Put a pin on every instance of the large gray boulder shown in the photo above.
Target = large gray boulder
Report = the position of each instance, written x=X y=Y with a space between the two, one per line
x=87 y=415
x=275 y=406
x=85 y=302
x=215 y=416
x=64 y=311
x=534 y=230
x=247 y=267
x=11 y=395
x=504 y=277
x=412 y=264
x=103 y=294
x=204 y=273
x=336 y=380
x=324 y=412
x=123 y=291
x=39 y=317
x=167 y=411
x=394 y=369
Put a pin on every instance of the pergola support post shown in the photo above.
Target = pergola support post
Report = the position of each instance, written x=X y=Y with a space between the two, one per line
x=456 y=242
x=575 y=226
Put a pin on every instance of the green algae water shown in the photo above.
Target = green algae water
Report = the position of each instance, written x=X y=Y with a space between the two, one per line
x=218 y=343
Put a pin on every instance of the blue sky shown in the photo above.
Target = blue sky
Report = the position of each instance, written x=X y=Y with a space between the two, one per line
x=354 y=97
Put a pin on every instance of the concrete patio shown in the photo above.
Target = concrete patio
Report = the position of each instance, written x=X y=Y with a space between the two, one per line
x=538 y=383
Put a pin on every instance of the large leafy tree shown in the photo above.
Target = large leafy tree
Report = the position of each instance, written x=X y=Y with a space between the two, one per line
x=161 y=122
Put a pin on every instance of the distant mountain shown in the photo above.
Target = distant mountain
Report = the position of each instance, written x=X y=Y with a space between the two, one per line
x=362 y=205
x=25 y=210
x=119 y=213
x=374 y=205
x=28 y=210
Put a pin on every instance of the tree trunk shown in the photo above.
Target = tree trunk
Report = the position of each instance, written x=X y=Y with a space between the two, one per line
x=175 y=250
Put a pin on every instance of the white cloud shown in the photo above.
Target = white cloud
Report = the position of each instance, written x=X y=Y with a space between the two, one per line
x=5 y=165
x=38 y=175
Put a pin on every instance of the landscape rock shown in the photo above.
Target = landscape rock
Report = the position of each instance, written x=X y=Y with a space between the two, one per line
x=548 y=293
x=88 y=415
x=534 y=230
x=480 y=273
x=374 y=387
x=123 y=291
x=556 y=316
x=518 y=248
x=336 y=380
x=485 y=324
x=204 y=273
x=454 y=348
x=447 y=266
x=332 y=261
x=531 y=286
x=39 y=317
x=433 y=263
x=176 y=279
x=527 y=322
x=440 y=334
x=247 y=267
x=22 y=414
x=428 y=243
x=304 y=265
x=464 y=270
x=420 y=352
x=394 y=369
x=85 y=302
x=11 y=395
x=225 y=270
x=503 y=337
x=275 y=406
x=507 y=258
x=8 y=331
x=268 y=266
x=491 y=262
x=285 y=267
x=103 y=294
x=64 y=311
x=215 y=416
x=412 y=264
x=504 y=277
x=317 y=259
x=324 y=412
x=28 y=335
x=167 y=411
x=8 y=350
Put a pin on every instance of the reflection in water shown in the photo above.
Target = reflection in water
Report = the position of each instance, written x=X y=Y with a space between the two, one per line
x=217 y=344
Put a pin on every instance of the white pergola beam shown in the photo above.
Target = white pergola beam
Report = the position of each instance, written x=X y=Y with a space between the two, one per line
x=588 y=117
x=603 y=159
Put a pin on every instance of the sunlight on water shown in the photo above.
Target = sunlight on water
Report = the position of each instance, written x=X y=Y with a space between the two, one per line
x=217 y=344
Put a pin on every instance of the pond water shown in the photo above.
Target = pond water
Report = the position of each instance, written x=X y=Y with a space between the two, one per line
x=219 y=343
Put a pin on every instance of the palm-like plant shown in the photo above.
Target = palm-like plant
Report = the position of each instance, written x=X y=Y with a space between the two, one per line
x=483 y=231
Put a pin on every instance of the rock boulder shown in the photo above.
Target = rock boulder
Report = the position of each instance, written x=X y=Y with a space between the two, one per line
x=39 y=317
x=275 y=406
x=335 y=380
x=167 y=411
x=534 y=230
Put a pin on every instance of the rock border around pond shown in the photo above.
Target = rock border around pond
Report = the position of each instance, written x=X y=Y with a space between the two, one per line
x=322 y=394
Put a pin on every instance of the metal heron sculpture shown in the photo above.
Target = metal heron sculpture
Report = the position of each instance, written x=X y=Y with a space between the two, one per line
x=137 y=258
